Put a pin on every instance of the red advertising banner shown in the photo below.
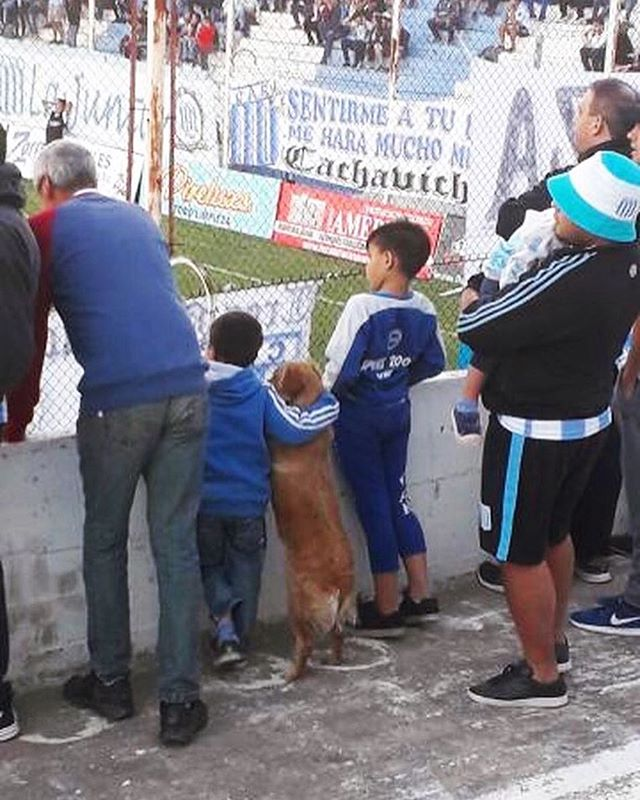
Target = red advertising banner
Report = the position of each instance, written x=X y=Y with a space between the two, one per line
x=339 y=224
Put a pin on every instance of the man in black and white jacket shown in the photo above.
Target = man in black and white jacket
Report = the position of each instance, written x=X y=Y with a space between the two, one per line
x=551 y=340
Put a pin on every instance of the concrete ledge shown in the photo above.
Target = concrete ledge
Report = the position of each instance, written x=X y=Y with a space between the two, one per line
x=42 y=511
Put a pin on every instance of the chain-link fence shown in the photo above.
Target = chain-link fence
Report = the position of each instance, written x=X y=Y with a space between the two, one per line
x=294 y=127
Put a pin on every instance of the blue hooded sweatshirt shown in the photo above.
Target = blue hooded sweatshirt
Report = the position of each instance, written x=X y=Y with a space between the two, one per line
x=243 y=414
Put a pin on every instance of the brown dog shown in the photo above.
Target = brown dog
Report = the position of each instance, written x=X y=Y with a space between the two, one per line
x=318 y=555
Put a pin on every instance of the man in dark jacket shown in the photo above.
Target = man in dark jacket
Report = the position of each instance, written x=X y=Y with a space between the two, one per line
x=607 y=112
x=553 y=337
x=19 y=266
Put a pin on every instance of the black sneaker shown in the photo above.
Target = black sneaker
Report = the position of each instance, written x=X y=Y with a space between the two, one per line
x=112 y=701
x=594 y=571
x=563 y=656
x=9 y=727
x=621 y=545
x=515 y=687
x=227 y=655
x=489 y=575
x=180 y=722
x=379 y=626
x=414 y=613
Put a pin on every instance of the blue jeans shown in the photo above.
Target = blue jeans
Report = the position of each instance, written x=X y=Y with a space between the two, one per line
x=163 y=443
x=231 y=557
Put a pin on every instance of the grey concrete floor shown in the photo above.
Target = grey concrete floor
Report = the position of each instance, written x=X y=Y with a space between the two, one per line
x=393 y=723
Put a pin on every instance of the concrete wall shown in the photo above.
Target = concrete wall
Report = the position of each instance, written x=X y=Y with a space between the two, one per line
x=41 y=534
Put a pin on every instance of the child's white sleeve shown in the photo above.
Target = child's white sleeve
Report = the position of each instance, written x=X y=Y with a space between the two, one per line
x=347 y=345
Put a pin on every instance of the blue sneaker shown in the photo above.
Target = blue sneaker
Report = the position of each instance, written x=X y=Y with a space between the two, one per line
x=617 y=618
x=466 y=422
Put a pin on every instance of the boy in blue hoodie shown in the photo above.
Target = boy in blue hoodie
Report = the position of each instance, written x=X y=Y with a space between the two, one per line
x=244 y=414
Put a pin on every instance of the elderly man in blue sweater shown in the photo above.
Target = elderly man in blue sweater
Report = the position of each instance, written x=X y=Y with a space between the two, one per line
x=142 y=414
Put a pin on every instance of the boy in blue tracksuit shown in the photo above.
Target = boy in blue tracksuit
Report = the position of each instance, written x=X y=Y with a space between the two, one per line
x=385 y=341
x=244 y=414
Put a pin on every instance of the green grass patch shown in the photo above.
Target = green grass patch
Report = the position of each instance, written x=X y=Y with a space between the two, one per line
x=240 y=261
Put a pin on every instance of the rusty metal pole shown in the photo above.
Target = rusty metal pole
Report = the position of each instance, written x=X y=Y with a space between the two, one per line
x=156 y=43
x=173 y=61
x=133 y=59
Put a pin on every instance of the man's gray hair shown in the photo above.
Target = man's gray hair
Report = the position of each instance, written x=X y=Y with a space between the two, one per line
x=69 y=166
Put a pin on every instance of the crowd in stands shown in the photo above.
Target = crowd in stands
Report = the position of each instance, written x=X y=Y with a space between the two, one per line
x=362 y=28
x=453 y=16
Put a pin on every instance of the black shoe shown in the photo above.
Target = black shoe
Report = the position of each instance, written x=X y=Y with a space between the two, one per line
x=180 y=722
x=516 y=687
x=596 y=570
x=9 y=727
x=416 y=613
x=563 y=656
x=112 y=701
x=227 y=655
x=621 y=545
x=489 y=575
x=379 y=626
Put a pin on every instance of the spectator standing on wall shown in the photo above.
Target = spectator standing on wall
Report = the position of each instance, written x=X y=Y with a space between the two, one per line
x=23 y=22
x=606 y=113
x=142 y=415
x=19 y=265
x=311 y=22
x=55 y=17
x=74 y=11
